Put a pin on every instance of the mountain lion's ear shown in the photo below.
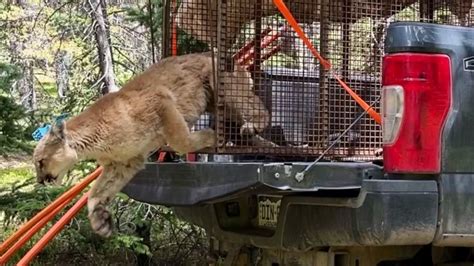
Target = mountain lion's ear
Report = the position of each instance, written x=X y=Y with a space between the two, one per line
x=58 y=129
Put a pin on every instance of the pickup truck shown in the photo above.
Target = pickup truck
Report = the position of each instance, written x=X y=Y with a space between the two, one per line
x=414 y=207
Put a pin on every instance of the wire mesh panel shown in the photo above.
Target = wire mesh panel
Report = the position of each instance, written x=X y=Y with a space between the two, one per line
x=273 y=97
x=184 y=33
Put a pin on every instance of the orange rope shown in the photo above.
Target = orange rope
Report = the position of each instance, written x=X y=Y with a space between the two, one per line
x=362 y=103
x=51 y=208
x=292 y=21
x=13 y=249
x=38 y=247
x=326 y=64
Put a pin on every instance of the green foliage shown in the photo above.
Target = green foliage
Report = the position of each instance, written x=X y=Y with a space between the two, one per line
x=121 y=241
x=36 y=33
x=13 y=130
x=188 y=44
x=14 y=176
x=185 y=42
x=20 y=201
x=142 y=16
x=8 y=74
x=141 y=229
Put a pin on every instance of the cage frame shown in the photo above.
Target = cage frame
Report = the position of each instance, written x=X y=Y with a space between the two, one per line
x=324 y=121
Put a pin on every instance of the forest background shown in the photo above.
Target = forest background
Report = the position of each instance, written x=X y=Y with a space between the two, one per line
x=58 y=57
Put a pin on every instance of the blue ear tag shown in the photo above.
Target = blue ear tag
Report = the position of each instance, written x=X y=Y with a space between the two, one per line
x=39 y=133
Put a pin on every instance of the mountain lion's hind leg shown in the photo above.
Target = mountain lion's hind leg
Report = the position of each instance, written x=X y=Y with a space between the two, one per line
x=114 y=177
x=178 y=135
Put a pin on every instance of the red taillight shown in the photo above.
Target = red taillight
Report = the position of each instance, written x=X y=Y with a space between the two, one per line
x=416 y=101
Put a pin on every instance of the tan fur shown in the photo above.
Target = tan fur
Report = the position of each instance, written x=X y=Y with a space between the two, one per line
x=155 y=108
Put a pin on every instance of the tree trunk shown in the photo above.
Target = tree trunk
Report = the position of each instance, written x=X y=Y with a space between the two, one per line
x=26 y=87
x=103 y=46
x=62 y=65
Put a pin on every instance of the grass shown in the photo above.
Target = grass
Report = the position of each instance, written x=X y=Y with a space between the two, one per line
x=12 y=175
x=13 y=172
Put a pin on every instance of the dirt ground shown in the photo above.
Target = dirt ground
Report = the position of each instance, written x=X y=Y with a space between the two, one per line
x=15 y=161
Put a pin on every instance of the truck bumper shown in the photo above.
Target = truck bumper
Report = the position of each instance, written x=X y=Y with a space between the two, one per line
x=337 y=204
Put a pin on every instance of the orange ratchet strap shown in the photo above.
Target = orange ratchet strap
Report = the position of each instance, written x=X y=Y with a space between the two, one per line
x=326 y=64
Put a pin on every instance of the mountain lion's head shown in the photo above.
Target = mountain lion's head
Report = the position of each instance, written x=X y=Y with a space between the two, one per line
x=53 y=157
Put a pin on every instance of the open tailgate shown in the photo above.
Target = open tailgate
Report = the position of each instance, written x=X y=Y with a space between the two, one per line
x=178 y=184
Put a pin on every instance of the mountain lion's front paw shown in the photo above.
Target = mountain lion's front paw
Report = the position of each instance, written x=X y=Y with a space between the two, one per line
x=101 y=220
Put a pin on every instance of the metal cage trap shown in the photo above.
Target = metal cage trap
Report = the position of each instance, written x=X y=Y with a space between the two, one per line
x=307 y=107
